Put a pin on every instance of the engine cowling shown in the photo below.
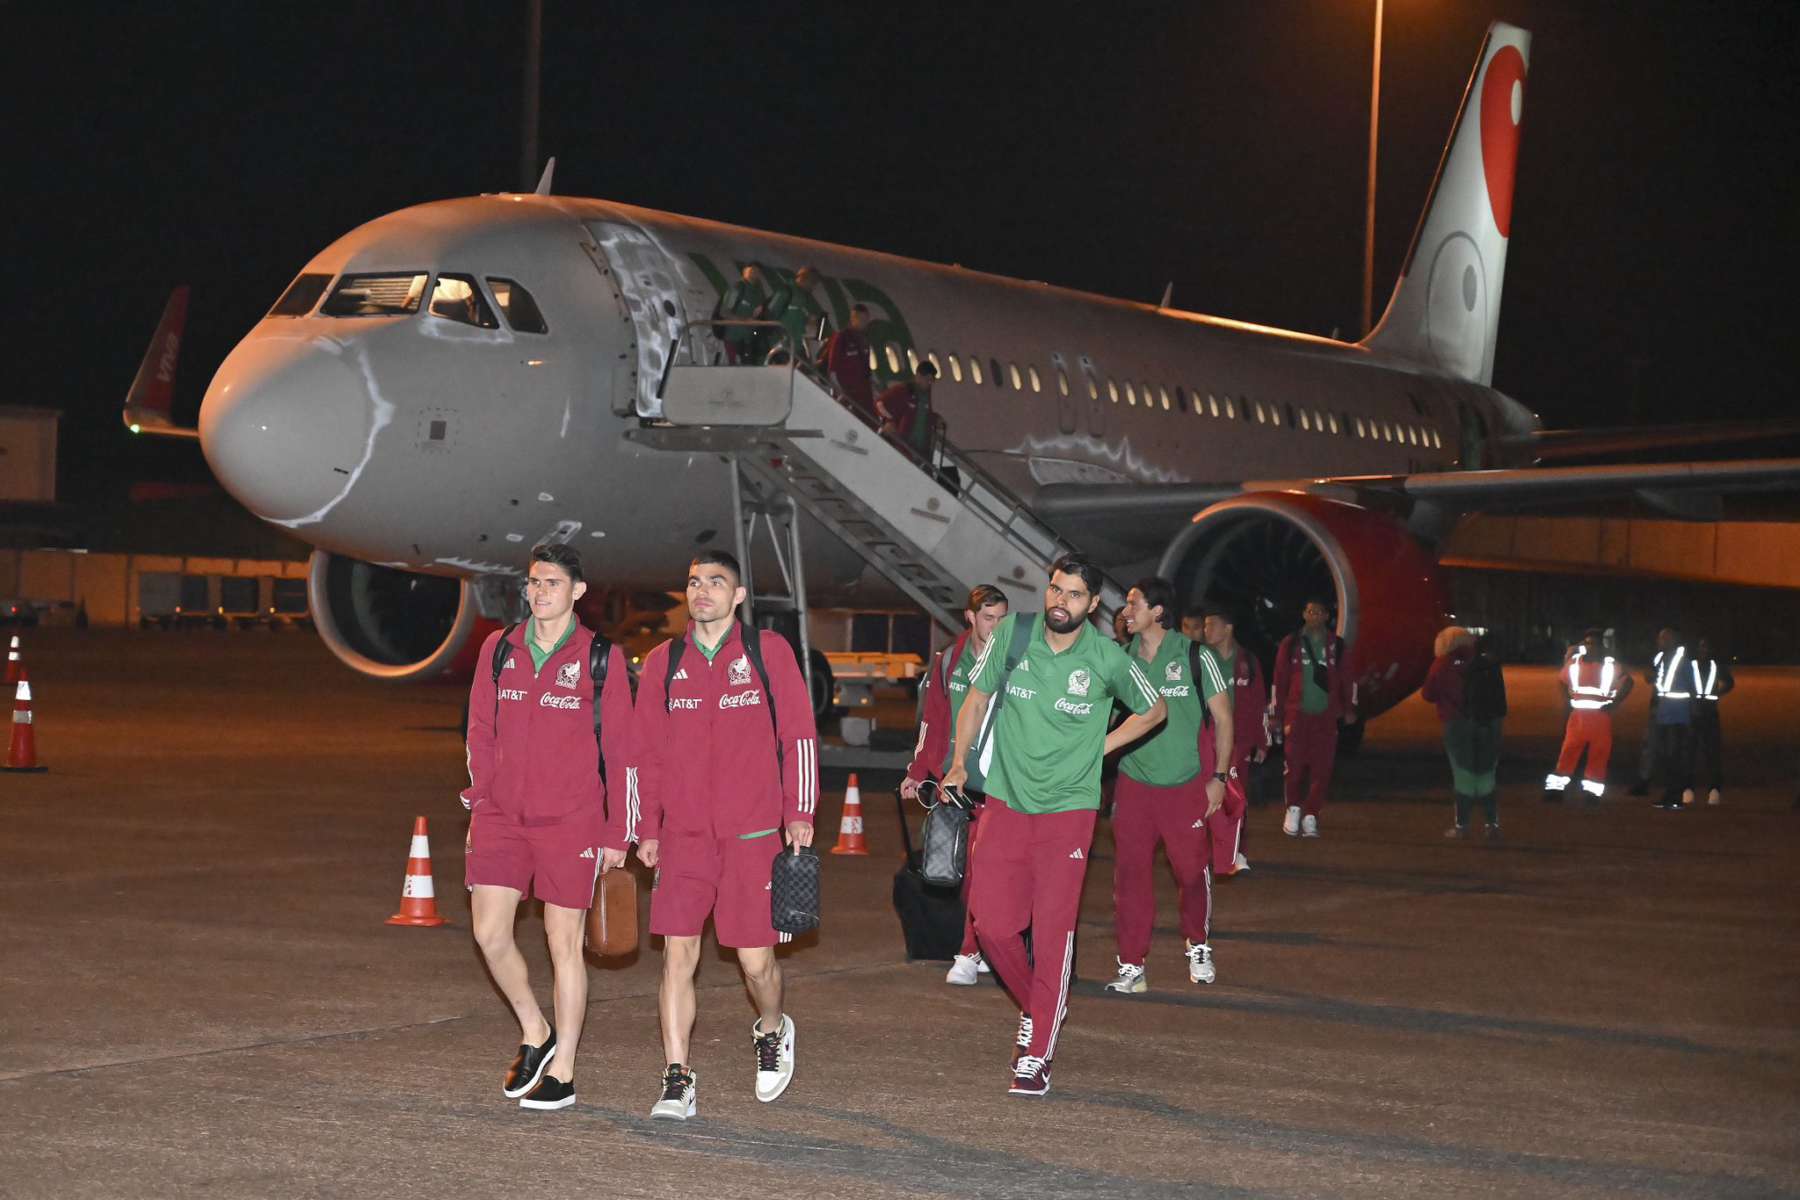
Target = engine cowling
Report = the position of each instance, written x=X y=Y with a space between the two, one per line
x=392 y=624
x=1264 y=554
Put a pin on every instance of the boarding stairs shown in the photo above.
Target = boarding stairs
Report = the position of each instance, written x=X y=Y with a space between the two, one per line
x=931 y=521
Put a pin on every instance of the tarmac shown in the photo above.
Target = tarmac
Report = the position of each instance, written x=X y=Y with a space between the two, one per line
x=199 y=995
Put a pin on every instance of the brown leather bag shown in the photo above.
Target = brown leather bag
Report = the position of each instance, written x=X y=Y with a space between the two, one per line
x=612 y=920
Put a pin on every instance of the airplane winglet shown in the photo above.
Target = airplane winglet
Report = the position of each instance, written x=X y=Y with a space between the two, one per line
x=152 y=394
x=543 y=187
x=1168 y=295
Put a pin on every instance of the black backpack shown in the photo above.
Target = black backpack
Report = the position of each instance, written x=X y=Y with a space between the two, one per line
x=1015 y=651
x=599 y=657
x=1484 y=689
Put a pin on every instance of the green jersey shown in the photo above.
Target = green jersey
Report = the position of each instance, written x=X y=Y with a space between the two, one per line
x=540 y=655
x=1170 y=755
x=1043 y=754
x=1313 y=698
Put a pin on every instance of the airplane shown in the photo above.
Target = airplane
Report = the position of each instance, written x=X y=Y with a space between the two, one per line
x=446 y=385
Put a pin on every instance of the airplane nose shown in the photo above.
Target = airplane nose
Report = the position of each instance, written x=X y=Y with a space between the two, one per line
x=286 y=426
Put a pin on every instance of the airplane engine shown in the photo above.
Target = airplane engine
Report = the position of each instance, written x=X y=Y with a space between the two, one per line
x=392 y=624
x=1265 y=554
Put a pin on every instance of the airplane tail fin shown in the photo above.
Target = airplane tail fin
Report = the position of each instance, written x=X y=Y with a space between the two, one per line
x=1446 y=307
x=149 y=402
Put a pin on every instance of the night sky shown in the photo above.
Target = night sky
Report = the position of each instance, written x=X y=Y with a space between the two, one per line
x=1111 y=148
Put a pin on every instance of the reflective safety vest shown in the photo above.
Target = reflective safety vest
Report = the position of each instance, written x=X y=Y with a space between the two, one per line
x=1669 y=682
x=1703 y=685
x=1599 y=694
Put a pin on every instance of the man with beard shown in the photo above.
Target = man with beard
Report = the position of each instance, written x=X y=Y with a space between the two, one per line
x=1054 y=679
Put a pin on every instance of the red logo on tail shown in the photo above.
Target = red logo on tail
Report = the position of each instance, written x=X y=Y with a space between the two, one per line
x=1502 y=100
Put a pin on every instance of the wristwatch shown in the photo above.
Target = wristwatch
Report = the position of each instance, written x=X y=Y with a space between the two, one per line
x=1222 y=776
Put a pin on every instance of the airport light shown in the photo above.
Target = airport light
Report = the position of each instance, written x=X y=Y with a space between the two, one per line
x=1368 y=307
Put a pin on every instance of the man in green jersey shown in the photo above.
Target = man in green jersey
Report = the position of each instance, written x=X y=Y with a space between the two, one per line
x=940 y=700
x=1055 y=683
x=1163 y=795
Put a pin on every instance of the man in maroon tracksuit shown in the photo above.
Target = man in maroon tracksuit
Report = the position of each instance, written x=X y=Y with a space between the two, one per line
x=846 y=359
x=728 y=769
x=539 y=811
x=1249 y=736
x=945 y=686
x=1311 y=693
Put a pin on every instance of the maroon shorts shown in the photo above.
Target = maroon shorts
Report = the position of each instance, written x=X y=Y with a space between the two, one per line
x=556 y=863
x=698 y=875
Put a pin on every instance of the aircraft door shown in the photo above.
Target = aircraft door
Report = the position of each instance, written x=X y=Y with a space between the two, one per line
x=647 y=286
x=1068 y=404
x=1089 y=383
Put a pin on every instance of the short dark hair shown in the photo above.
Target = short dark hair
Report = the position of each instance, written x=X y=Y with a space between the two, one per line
x=559 y=554
x=1594 y=632
x=1218 y=611
x=1195 y=612
x=927 y=367
x=860 y=308
x=722 y=558
x=1159 y=593
x=1321 y=601
x=1075 y=564
x=984 y=594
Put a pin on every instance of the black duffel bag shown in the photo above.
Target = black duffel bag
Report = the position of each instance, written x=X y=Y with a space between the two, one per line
x=944 y=853
x=931 y=916
x=794 y=890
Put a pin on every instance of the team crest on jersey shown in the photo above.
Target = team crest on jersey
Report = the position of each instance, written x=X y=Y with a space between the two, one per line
x=1172 y=672
x=569 y=675
x=740 y=671
x=1079 y=681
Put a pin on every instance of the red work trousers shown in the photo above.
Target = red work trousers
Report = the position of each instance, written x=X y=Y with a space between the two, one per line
x=1589 y=729
x=1143 y=815
x=1311 y=751
x=1032 y=868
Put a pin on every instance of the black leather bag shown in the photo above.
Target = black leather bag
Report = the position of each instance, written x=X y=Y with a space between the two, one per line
x=794 y=890
x=931 y=917
x=944 y=849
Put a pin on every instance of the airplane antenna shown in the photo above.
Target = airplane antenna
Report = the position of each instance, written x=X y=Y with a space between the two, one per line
x=543 y=187
x=1168 y=294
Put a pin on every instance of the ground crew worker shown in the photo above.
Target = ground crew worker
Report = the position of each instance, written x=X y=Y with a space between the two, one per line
x=728 y=769
x=1056 y=678
x=1310 y=694
x=1593 y=684
x=945 y=687
x=1671 y=728
x=1666 y=644
x=541 y=817
x=1162 y=794
x=1249 y=735
x=744 y=301
x=791 y=302
x=846 y=359
x=1712 y=679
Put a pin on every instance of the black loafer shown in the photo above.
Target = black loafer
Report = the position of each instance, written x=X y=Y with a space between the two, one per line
x=528 y=1068
x=552 y=1093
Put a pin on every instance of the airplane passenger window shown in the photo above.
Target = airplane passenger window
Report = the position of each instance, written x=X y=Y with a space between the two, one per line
x=874 y=360
x=1093 y=389
x=301 y=296
x=893 y=357
x=1031 y=372
x=1359 y=428
x=376 y=296
x=1318 y=420
x=1305 y=421
x=1112 y=389
x=456 y=298
x=1130 y=394
x=517 y=306
x=912 y=360
x=1212 y=404
x=1437 y=443
x=955 y=365
x=932 y=358
x=1018 y=384
x=1164 y=393
x=1232 y=409
x=1260 y=418
x=1062 y=381
x=995 y=373
x=1335 y=427
x=975 y=368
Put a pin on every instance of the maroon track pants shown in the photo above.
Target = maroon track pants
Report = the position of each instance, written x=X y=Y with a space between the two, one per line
x=1032 y=868
x=1311 y=750
x=1176 y=816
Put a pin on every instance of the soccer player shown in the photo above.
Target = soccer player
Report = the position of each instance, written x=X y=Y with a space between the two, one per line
x=1054 y=677
x=1311 y=693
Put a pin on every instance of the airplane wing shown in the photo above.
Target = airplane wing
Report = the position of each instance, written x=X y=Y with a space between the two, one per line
x=148 y=403
x=1543 y=444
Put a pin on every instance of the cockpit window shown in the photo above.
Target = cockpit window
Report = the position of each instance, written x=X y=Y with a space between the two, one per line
x=456 y=298
x=521 y=311
x=376 y=296
x=301 y=296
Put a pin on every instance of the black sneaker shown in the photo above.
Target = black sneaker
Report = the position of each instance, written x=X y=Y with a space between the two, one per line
x=551 y=1093
x=1553 y=796
x=680 y=1096
x=528 y=1068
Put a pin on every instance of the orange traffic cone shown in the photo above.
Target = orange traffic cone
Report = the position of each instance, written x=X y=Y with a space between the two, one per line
x=850 y=829
x=13 y=666
x=21 y=755
x=418 y=902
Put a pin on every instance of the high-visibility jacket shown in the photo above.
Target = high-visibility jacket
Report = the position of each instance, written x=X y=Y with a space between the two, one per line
x=1671 y=681
x=1592 y=684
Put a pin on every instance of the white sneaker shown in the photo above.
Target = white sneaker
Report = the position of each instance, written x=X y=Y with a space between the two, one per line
x=1129 y=980
x=681 y=1094
x=1240 y=863
x=1687 y=796
x=1290 y=824
x=1310 y=826
x=966 y=970
x=1714 y=799
x=774 y=1058
x=1200 y=963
